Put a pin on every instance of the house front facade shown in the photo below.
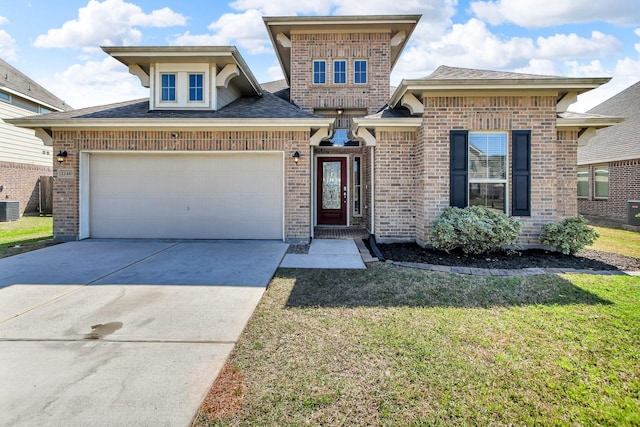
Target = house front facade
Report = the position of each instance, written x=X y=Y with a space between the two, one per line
x=24 y=157
x=213 y=154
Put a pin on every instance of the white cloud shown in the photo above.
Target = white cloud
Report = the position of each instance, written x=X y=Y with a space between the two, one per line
x=546 y=13
x=574 y=46
x=8 y=46
x=285 y=7
x=473 y=45
x=95 y=83
x=111 y=22
x=274 y=72
x=245 y=30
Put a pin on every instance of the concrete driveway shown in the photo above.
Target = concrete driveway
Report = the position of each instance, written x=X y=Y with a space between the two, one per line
x=112 y=332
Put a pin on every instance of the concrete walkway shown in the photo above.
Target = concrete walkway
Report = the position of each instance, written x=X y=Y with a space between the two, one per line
x=327 y=254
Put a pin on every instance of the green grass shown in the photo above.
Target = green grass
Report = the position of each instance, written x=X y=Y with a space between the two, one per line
x=617 y=241
x=394 y=346
x=28 y=233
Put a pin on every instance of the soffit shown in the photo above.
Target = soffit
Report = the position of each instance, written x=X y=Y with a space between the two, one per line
x=288 y=25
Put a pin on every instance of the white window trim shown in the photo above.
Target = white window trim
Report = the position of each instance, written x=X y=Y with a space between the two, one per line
x=588 y=181
x=189 y=100
x=313 y=71
x=593 y=173
x=357 y=190
x=346 y=71
x=504 y=181
x=366 y=74
x=182 y=72
x=168 y=101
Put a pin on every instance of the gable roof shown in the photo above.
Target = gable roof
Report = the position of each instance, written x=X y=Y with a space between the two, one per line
x=619 y=142
x=140 y=58
x=280 y=29
x=15 y=82
x=267 y=110
x=447 y=79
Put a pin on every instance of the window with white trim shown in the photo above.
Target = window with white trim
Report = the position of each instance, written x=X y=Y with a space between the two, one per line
x=196 y=87
x=601 y=181
x=357 y=186
x=339 y=72
x=583 y=181
x=319 y=72
x=488 y=170
x=360 y=72
x=5 y=97
x=168 y=92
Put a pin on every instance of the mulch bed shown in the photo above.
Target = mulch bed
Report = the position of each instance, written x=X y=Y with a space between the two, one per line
x=531 y=258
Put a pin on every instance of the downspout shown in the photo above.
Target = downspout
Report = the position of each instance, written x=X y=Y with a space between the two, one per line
x=373 y=187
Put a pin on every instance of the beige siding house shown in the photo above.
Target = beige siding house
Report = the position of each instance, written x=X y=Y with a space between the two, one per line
x=24 y=156
x=212 y=154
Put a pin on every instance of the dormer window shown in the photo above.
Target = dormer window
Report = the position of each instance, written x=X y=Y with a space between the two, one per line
x=196 y=87
x=183 y=86
x=168 y=87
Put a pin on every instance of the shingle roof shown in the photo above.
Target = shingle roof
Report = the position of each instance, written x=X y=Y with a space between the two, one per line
x=444 y=72
x=11 y=78
x=267 y=106
x=618 y=142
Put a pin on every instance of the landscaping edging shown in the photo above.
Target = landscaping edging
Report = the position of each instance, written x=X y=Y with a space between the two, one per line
x=508 y=273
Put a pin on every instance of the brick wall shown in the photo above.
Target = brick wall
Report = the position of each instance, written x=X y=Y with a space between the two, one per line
x=395 y=185
x=624 y=185
x=20 y=182
x=374 y=47
x=297 y=177
x=552 y=163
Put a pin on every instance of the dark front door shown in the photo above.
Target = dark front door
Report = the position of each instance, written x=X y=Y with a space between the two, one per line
x=332 y=191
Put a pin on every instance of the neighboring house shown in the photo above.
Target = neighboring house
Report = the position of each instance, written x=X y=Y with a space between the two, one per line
x=214 y=154
x=609 y=164
x=24 y=158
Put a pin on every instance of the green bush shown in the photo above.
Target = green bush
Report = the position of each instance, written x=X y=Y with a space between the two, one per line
x=569 y=235
x=474 y=229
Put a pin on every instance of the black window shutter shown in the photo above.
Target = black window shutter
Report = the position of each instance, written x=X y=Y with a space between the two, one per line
x=458 y=164
x=521 y=173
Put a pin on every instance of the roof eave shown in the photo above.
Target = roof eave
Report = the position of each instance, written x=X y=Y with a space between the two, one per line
x=578 y=85
x=391 y=122
x=172 y=123
x=588 y=122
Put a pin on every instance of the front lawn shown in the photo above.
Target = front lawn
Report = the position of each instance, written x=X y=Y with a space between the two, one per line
x=395 y=346
x=26 y=234
x=618 y=241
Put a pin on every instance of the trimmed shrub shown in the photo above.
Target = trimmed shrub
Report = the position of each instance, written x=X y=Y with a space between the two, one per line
x=475 y=230
x=569 y=235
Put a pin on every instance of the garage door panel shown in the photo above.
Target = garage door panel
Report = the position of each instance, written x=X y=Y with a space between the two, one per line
x=180 y=195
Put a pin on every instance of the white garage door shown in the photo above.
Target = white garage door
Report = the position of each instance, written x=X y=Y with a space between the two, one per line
x=186 y=196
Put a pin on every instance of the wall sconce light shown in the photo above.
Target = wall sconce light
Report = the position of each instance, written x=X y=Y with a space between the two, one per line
x=61 y=156
x=340 y=111
x=296 y=157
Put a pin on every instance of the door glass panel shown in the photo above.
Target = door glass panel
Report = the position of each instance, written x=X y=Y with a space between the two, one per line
x=331 y=185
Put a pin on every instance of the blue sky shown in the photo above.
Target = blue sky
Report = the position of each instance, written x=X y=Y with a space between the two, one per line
x=57 y=43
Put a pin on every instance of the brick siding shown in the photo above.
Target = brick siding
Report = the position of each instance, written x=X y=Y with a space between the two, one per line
x=373 y=47
x=412 y=178
x=624 y=185
x=297 y=177
x=20 y=182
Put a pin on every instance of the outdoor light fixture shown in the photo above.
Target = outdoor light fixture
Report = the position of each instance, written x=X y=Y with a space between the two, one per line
x=340 y=111
x=296 y=157
x=61 y=156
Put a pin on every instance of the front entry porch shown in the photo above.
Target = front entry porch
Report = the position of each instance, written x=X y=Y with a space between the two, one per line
x=339 y=232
